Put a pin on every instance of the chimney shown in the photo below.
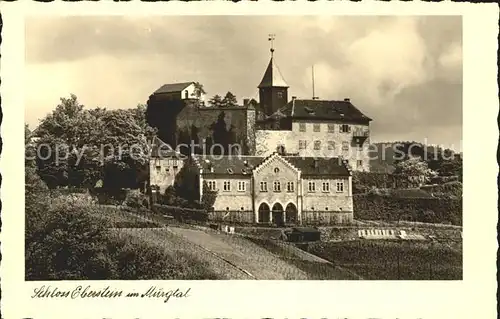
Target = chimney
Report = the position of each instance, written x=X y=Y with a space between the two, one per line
x=347 y=99
x=245 y=102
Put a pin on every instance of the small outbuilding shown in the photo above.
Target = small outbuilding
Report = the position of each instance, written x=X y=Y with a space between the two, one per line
x=303 y=234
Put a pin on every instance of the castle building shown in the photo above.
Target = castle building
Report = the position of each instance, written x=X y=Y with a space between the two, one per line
x=278 y=189
x=309 y=127
x=294 y=159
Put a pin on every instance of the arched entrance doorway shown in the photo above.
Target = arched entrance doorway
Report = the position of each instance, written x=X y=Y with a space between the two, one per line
x=278 y=213
x=264 y=213
x=291 y=213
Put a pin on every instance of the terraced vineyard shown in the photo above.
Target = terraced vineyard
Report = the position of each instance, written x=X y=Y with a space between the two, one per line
x=393 y=260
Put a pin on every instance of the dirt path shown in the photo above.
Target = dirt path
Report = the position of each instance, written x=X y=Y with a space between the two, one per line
x=259 y=262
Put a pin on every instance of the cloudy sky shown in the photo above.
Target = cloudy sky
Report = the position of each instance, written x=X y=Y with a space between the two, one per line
x=404 y=72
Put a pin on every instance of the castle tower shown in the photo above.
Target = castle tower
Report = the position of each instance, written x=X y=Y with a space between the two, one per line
x=273 y=90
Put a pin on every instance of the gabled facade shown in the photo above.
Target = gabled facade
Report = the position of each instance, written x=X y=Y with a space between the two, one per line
x=179 y=91
x=281 y=190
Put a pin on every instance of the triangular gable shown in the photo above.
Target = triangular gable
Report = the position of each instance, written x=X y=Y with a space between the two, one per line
x=271 y=158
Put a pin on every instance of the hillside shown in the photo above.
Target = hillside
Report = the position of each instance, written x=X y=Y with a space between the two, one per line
x=384 y=155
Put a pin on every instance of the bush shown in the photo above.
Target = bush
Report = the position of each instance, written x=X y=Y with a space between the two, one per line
x=64 y=242
x=392 y=208
x=363 y=182
x=449 y=189
x=137 y=260
x=136 y=199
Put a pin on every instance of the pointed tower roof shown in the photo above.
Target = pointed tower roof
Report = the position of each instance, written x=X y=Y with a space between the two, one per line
x=272 y=77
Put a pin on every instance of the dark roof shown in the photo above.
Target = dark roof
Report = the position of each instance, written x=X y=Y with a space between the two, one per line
x=160 y=149
x=236 y=165
x=174 y=87
x=323 y=110
x=272 y=77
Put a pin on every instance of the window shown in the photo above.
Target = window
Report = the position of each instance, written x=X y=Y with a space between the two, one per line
x=263 y=186
x=211 y=185
x=340 y=187
x=316 y=127
x=326 y=208
x=290 y=186
x=302 y=144
x=280 y=95
x=175 y=166
x=345 y=146
x=302 y=127
x=227 y=186
x=158 y=169
x=242 y=208
x=242 y=186
x=360 y=163
x=331 y=128
x=277 y=186
x=276 y=170
x=311 y=187
x=326 y=187
x=167 y=169
x=317 y=145
x=331 y=145
x=345 y=128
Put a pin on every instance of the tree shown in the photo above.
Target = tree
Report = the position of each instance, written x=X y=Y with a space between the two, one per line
x=215 y=101
x=187 y=183
x=229 y=100
x=415 y=169
x=94 y=144
x=221 y=136
x=208 y=198
x=198 y=90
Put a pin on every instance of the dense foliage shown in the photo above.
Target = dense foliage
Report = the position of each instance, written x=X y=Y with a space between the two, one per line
x=78 y=146
x=391 y=208
x=385 y=155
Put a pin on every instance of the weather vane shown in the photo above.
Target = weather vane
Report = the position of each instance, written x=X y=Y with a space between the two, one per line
x=271 y=39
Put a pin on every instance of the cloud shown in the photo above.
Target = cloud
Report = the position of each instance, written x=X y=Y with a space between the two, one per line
x=403 y=72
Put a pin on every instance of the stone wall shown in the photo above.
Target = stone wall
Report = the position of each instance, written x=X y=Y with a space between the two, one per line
x=183 y=121
x=223 y=126
x=327 y=217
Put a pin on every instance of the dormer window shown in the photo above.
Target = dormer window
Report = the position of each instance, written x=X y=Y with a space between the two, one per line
x=230 y=170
